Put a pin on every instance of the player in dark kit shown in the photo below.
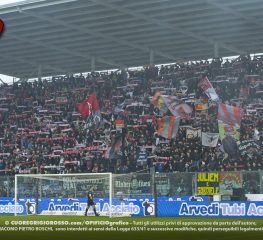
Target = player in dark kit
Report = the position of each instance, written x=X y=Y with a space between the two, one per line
x=91 y=203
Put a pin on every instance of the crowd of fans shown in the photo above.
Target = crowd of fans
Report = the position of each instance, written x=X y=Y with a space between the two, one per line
x=41 y=130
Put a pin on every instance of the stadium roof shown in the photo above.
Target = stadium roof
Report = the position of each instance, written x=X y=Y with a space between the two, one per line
x=70 y=36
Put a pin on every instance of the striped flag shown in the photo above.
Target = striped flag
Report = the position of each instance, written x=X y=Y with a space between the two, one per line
x=229 y=114
x=208 y=89
x=168 y=126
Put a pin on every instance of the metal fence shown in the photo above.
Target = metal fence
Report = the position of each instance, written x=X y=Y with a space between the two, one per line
x=173 y=184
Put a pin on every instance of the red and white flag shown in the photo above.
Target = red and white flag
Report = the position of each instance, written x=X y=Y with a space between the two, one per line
x=168 y=126
x=182 y=110
x=89 y=106
x=229 y=114
x=208 y=89
x=176 y=108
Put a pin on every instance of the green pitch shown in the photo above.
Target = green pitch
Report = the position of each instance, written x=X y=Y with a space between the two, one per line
x=124 y=228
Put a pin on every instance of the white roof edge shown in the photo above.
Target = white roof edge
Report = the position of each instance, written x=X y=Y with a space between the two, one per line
x=30 y=4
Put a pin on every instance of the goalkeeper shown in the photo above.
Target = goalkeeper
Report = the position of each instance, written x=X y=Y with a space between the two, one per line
x=91 y=203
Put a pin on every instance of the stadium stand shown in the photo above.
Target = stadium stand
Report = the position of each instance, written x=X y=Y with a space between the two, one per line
x=42 y=128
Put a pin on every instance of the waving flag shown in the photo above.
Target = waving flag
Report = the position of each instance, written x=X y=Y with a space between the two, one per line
x=89 y=106
x=168 y=126
x=229 y=114
x=208 y=89
x=113 y=150
x=173 y=104
x=193 y=132
x=183 y=110
x=228 y=130
x=158 y=101
x=176 y=108
x=209 y=139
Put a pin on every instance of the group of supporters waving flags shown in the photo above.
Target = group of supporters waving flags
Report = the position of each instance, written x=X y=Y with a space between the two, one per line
x=228 y=116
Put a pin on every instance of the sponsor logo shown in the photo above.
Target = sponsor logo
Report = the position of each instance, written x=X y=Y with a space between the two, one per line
x=10 y=208
x=255 y=210
x=31 y=208
x=222 y=209
x=149 y=208
x=196 y=199
x=233 y=210
x=199 y=210
x=76 y=206
x=130 y=208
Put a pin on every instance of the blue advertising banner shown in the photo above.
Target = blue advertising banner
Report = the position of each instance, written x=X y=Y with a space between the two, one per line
x=168 y=208
x=194 y=206
x=7 y=206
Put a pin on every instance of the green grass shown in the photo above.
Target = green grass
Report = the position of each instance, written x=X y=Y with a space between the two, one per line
x=137 y=228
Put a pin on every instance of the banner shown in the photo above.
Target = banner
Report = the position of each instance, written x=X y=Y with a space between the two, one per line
x=142 y=158
x=228 y=181
x=189 y=206
x=193 y=133
x=168 y=126
x=168 y=208
x=210 y=139
x=228 y=130
x=249 y=146
x=122 y=206
x=207 y=183
x=208 y=89
x=229 y=114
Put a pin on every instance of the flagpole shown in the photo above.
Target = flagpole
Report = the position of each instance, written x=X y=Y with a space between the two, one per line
x=123 y=134
x=202 y=154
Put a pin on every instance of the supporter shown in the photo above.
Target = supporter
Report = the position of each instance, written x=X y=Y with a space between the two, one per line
x=41 y=130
